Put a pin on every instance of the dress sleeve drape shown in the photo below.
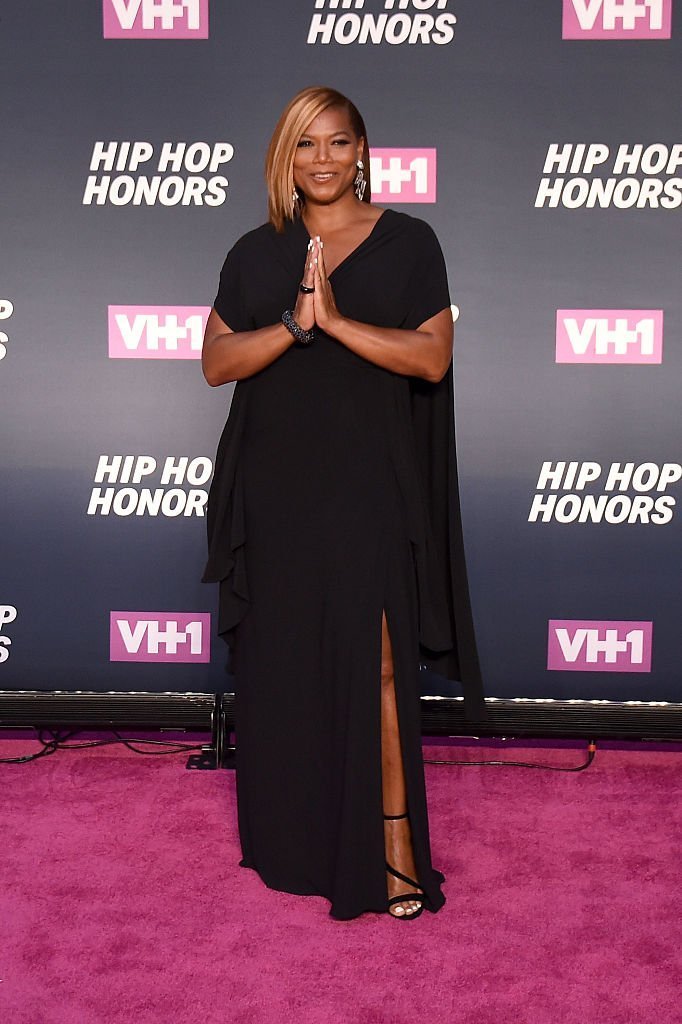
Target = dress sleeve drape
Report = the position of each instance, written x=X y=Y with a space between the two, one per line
x=433 y=424
x=428 y=290
x=229 y=302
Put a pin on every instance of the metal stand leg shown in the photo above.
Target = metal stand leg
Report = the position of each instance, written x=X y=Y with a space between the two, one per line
x=217 y=754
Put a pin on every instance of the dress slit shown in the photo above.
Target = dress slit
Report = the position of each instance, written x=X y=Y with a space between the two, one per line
x=400 y=607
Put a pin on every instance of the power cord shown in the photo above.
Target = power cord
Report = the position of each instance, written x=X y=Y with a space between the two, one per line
x=49 y=747
x=591 y=751
x=58 y=742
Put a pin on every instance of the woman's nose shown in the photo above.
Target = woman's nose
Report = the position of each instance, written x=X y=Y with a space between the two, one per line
x=323 y=154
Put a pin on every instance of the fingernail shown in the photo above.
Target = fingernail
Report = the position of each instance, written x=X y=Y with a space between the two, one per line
x=317 y=238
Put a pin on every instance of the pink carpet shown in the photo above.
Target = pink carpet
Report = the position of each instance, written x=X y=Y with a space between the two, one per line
x=122 y=900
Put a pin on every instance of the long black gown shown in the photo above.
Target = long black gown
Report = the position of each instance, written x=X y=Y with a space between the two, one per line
x=333 y=499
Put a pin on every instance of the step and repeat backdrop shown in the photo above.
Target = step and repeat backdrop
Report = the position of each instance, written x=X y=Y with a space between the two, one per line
x=542 y=141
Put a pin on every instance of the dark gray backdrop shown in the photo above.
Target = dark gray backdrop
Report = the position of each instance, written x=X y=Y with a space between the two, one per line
x=490 y=101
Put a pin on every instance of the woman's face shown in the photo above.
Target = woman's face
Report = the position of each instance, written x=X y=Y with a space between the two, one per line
x=326 y=157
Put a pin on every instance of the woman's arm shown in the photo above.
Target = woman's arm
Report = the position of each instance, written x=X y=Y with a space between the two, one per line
x=231 y=355
x=425 y=352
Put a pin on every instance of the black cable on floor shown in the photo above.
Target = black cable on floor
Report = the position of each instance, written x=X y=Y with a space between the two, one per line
x=48 y=748
x=591 y=751
x=58 y=742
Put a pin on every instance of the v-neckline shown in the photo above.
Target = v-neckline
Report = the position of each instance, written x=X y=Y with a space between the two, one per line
x=359 y=246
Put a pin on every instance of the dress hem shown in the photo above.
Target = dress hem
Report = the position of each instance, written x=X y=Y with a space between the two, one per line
x=308 y=891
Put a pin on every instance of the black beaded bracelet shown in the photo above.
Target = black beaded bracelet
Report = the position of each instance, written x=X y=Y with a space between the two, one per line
x=302 y=336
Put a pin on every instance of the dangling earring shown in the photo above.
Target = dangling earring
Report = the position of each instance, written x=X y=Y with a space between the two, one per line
x=295 y=198
x=360 y=184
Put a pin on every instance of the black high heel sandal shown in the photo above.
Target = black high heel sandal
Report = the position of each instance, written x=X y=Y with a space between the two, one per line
x=409 y=915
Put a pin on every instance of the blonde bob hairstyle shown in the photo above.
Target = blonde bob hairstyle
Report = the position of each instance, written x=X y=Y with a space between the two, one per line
x=279 y=161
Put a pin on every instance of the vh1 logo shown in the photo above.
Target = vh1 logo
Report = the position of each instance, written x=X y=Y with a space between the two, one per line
x=617 y=19
x=609 y=336
x=403 y=175
x=577 y=645
x=155 y=19
x=160 y=636
x=156 y=332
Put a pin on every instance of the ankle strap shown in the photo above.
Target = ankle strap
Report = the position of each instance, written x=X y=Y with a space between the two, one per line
x=394 y=817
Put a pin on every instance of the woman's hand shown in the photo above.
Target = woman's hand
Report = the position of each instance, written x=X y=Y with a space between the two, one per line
x=327 y=316
x=304 y=312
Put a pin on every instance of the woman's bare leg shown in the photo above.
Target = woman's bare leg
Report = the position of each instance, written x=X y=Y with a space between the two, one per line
x=398 y=839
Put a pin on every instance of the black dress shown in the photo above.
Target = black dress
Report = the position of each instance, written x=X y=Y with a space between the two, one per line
x=334 y=498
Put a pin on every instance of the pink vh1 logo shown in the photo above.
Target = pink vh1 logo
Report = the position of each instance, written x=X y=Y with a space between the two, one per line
x=156 y=332
x=155 y=19
x=403 y=175
x=609 y=336
x=588 y=645
x=160 y=636
x=617 y=19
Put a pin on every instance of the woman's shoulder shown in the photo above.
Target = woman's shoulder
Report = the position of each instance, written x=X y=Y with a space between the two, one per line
x=252 y=241
x=413 y=228
x=265 y=241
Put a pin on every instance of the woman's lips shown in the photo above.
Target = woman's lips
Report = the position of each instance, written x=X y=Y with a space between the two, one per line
x=323 y=176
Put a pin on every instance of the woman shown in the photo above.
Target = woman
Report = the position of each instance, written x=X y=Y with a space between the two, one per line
x=332 y=521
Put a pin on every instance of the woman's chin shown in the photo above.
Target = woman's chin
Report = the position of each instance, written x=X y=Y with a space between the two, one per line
x=326 y=196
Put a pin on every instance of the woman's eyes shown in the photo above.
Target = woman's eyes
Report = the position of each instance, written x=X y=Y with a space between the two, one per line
x=335 y=142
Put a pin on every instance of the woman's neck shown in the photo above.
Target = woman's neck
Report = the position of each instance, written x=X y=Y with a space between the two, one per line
x=325 y=219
